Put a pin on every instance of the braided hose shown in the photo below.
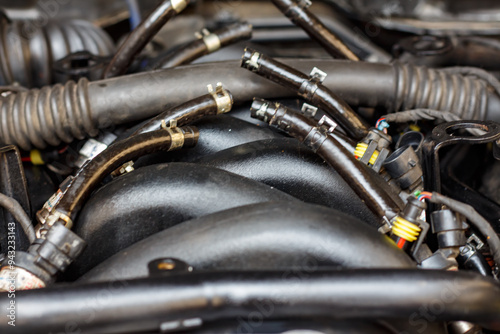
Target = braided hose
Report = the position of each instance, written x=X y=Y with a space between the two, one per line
x=39 y=118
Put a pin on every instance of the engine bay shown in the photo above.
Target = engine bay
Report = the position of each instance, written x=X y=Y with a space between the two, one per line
x=229 y=166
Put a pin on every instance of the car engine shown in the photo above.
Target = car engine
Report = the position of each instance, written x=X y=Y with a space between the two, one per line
x=229 y=166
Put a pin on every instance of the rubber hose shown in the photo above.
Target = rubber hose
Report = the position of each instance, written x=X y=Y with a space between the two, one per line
x=143 y=305
x=60 y=114
x=16 y=210
x=367 y=184
x=142 y=35
x=308 y=87
x=207 y=44
x=217 y=133
x=93 y=173
x=299 y=14
x=28 y=50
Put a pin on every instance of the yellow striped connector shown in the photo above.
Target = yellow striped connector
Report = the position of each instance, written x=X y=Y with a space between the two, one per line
x=361 y=150
x=405 y=229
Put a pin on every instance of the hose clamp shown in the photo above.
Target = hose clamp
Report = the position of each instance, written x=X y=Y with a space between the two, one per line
x=304 y=4
x=309 y=87
x=318 y=135
x=53 y=217
x=261 y=111
x=211 y=40
x=315 y=139
x=329 y=123
x=309 y=110
x=222 y=98
x=253 y=62
x=176 y=135
x=179 y=5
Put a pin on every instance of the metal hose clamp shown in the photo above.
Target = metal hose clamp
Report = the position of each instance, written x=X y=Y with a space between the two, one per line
x=309 y=87
x=176 y=135
x=253 y=63
x=318 y=135
x=54 y=216
x=211 y=40
x=222 y=98
x=179 y=5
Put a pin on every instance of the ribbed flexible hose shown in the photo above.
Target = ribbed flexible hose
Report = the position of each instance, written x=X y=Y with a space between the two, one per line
x=28 y=50
x=421 y=87
x=62 y=113
x=47 y=117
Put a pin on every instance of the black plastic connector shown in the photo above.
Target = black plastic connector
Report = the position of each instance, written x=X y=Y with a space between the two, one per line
x=449 y=228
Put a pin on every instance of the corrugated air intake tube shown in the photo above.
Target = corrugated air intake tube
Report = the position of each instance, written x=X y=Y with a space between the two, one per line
x=29 y=48
x=52 y=115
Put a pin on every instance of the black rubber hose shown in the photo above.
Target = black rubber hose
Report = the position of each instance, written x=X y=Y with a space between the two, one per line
x=478 y=73
x=191 y=111
x=92 y=174
x=142 y=35
x=217 y=133
x=154 y=198
x=279 y=235
x=475 y=219
x=316 y=326
x=29 y=50
x=305 y=86
x=62 y=113
x=291 y=167
x=360 y=178
x=143 y=305
x=17 y=211
x=209 y=43
x=298 y=13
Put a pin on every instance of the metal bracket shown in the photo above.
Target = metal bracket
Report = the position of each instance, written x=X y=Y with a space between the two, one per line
x=447 y=134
